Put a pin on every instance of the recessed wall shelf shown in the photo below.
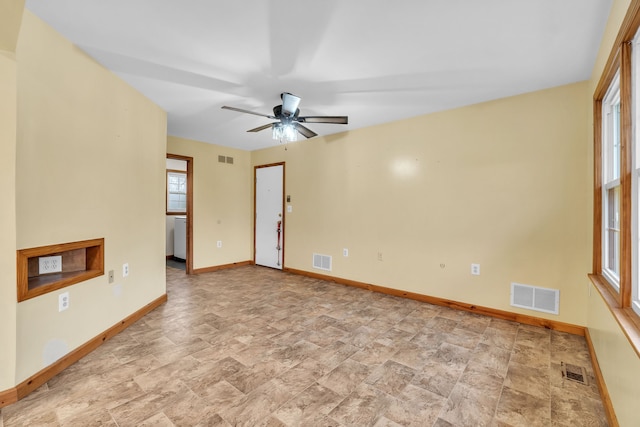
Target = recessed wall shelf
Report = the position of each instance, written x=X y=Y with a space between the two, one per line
x=80 y=261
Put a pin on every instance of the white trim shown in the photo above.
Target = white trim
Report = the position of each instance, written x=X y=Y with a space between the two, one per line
x=182 y=176
x=611 y=159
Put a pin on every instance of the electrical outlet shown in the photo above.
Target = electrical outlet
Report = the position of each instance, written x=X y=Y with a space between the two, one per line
x=111 y=276
x=475 y=269
x=219 y=243
x=125 y=269
x=379 y=256
x=49 y=264
x=345 y=252
x=63 y=301
x=289 y=208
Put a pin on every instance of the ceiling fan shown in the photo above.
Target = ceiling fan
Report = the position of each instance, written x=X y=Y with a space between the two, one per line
x=289 y=124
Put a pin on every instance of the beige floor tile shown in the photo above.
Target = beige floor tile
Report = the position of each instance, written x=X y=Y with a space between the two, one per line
x=362 y=407
x=96 y=400
x=468 y=406
x=415 y=407
x=494 y=337
x=568 y=409
x=439 y=377
x=537 y=357
x=463 y=337
x=442 y=323
x=495 y=358
x=157 y=420
x=391 y=377
x=527 y=379
x=483 y=380
x=304 y=408
x=521 y=409
x=474 y=323
x=253 y=346
x=374 y=354
x=412 y=355
x=139 y=409
x=346 y=377
x=530 y=337
x=255 y=408
x=248 y=379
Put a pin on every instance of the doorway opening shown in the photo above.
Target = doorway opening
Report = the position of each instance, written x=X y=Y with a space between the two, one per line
x=179 y=212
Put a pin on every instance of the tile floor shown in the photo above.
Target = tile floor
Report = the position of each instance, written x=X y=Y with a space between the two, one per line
x=257 y=347
x=176 y=263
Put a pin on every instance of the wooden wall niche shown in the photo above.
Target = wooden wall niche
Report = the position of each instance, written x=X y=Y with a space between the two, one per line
x=81 y=261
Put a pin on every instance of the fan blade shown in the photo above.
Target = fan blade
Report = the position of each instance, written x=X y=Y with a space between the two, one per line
x=240 y=110
x=290 y=104
x=341 y=120
x=305 y=131
x=259 y=128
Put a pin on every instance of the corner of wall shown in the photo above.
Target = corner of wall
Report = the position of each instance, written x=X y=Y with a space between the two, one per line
x=8 y=303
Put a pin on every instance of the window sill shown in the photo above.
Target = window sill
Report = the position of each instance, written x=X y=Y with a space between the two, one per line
x=627 y=319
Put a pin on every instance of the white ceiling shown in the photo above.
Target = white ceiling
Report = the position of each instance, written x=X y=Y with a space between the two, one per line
x=374 y=60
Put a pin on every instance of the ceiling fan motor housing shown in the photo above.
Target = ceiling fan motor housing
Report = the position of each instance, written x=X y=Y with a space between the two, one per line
x=277 y=111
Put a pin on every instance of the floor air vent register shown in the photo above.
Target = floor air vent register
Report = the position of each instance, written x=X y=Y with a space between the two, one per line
x=574 y=373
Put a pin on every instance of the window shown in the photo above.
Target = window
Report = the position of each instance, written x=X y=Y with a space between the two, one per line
x=616 y=246
x=611 y=184
x=176 y=192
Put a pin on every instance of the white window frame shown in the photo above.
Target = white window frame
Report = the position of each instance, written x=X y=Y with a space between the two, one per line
x=611 y=180
x=183 y=176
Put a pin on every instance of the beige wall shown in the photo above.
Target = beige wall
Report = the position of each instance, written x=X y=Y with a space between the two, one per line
x=7 y=220
x=221 y=202
x=501 y=184
x=10 y=19
x=619 y=363
x=76 y=120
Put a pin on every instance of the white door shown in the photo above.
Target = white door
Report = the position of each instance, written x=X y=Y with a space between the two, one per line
x=268 y=216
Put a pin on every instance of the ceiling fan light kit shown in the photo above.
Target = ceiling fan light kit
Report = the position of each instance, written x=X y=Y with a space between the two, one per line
x=284 y=132
x=288 y=127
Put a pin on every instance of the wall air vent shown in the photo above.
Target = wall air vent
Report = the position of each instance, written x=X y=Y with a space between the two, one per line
x=230 y=160
x=222 y=159
x=534 y=298
x=322 y=262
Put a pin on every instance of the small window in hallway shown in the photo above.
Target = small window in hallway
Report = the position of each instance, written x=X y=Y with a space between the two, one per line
x=176 y=192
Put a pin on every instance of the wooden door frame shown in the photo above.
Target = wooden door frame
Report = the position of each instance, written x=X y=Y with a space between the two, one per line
x=255 y=180
x=189 y=160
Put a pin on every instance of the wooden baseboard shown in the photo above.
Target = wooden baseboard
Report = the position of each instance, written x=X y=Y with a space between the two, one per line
x=8 y=397
x=221 y=267
x=602 y=386
x=492 y=312
x=36 y=380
